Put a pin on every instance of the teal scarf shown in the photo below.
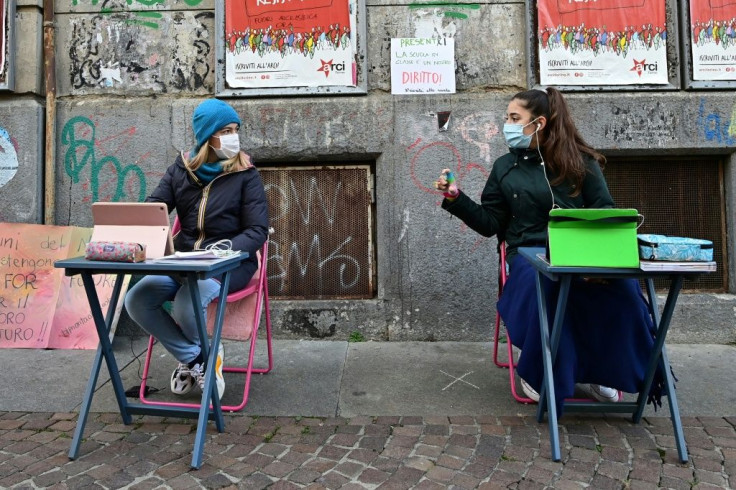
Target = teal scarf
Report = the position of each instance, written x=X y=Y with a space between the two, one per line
x=208 y=171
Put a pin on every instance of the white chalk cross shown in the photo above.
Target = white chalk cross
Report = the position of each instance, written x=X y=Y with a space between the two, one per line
x=456 y=379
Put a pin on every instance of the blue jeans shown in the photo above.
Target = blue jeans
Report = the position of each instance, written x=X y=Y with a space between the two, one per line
x=177 y=331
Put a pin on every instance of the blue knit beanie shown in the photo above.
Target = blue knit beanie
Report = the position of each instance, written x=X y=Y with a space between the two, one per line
x=209 y=117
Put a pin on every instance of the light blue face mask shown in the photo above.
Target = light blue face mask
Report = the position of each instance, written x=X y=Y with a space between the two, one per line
x=515 y=137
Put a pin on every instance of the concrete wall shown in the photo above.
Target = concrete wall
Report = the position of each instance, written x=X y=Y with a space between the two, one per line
x=128 y=81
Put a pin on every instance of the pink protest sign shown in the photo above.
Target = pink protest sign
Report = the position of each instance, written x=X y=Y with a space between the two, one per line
x=73 y=327
x=39 y=306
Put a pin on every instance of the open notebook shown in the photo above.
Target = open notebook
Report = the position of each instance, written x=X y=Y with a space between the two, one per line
x=139 y=222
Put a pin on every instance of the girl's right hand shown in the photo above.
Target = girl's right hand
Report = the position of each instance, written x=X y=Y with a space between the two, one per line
x=446 y=183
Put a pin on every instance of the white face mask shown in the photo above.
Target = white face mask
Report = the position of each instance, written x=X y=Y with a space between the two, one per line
x=229 y=146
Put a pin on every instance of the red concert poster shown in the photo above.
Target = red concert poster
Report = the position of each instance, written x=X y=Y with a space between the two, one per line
x=3 y=39
x=602 y=42
x=289 y=43
x=713 y=39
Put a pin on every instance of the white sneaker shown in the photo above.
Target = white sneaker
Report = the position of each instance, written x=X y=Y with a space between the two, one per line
x=529 y=391
x=600 y=393
x=182 y=381
x=198 y=372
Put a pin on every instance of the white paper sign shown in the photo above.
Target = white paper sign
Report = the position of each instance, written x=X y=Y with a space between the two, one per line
x=422 y=66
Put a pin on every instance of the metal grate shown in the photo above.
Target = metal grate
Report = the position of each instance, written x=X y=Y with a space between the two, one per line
x=322 y=245
x=677 y=196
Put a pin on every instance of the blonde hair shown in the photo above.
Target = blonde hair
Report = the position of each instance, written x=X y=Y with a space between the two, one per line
x=241 y=161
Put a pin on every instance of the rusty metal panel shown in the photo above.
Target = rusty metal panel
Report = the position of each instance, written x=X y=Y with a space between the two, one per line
x=322 y=244
x=679 y=196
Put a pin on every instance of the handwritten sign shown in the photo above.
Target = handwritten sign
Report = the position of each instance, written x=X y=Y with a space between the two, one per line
x=422 y=66
x=39 y=306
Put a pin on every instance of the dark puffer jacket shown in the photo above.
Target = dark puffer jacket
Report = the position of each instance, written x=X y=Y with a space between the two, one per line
x=233 y=207
x=517 y=198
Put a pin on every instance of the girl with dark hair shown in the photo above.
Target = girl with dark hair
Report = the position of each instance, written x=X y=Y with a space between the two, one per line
x=607 y=333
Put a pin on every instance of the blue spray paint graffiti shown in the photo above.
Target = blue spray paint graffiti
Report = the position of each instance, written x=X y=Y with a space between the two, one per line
x=714 y=127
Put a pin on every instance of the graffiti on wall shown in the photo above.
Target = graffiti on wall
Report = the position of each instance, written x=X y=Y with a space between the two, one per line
x=145 y=3
x=423 y=171
x=437 y=19
x=8 y=157
x=326 y=128
x=106 y=52
x=477 y=130
x=424 y=175
x=469 y=153
x=144 y=18
x=649 y=123
x=320 y=248
x=103 y=178
x=715 y=126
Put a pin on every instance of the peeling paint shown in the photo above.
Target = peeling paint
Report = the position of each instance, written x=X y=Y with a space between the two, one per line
x=404 y=226
x=110 y=74
x=450 y=6
x=8 y=158
x=432 y=23
x=652 y=124
x=109 y=52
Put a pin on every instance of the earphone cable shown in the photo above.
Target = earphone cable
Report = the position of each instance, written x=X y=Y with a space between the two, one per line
x=222 y=248
x=544 y=171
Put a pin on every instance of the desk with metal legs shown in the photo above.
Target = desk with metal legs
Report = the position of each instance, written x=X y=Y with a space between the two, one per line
x=550 y=341
x=190 y=271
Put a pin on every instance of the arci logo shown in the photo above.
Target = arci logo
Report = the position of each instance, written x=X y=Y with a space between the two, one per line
x=328 y=67
x=644 y=67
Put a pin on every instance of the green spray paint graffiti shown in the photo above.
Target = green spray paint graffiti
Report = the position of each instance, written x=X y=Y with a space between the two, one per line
x=143 y=18
x=143 y=21
x=146 y=3
x=451 y=6
x=79 y=135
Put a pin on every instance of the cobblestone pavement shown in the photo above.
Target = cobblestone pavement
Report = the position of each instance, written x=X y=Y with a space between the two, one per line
x=365 y=452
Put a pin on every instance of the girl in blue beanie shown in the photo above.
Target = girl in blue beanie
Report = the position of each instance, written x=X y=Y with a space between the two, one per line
x=219 y=198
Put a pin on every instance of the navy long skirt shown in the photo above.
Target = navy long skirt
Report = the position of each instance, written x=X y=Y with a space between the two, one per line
x=607 y=333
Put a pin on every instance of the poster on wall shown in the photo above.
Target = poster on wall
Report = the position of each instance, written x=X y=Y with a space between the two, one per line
x=3 y=39
x=602 y=42
x=7 y=44
x=290 y=43
x=713 y=39
x=423 y=66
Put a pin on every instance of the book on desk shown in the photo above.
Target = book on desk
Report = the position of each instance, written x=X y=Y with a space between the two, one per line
x=209 y=254
x=663 y=265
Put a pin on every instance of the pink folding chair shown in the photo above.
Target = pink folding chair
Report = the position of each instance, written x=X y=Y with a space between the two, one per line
x=257 y=286
x=509 y=363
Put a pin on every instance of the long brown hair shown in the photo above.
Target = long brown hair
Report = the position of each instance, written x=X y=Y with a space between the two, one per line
x=562 y=145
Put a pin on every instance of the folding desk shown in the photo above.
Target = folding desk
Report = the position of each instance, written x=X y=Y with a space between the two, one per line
x=550 y=340
x=190 y=271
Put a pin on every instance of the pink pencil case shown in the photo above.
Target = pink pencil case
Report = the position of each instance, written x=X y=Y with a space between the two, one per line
x=115 y=251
